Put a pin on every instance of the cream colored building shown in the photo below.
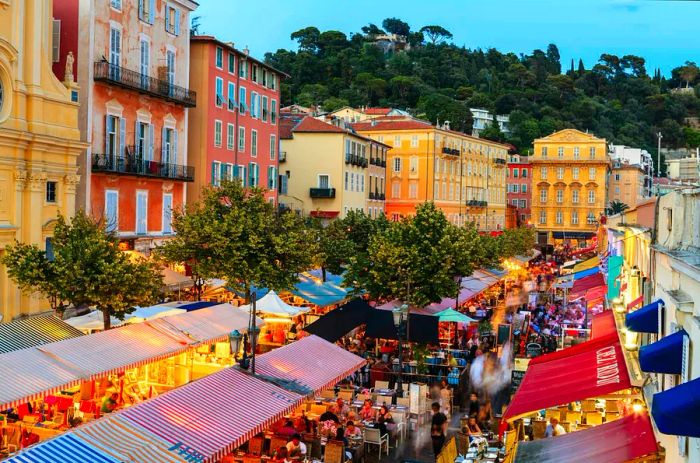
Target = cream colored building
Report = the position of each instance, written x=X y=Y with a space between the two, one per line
x=39 y=140
x=626 y=184
x=327 y=171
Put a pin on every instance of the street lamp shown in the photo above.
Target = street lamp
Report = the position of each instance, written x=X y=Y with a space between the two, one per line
x=234 y=339
x=400 y=315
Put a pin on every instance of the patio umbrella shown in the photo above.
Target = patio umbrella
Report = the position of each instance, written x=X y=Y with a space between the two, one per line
x=451 y=315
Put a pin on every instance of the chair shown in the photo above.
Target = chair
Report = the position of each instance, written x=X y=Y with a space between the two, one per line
x=335 y=453
x=611 y=406
x=588 y=405
x=363 y=397
x=381 y=384
x=593 y=418
x=538 y=429
x=277 y=442
x=401 y=424
x=328 y=394
x=317 y=410
x=346 y=395
x=373 y=436
x=573 y=417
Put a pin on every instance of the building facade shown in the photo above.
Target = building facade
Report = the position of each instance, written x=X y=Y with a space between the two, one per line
x=686 y=169
x=327 y=171
x=465 y=176
x=570 y=173
x=482 y=118
x=39 y=140
x=519 y=186
x=351 y=115
x=234 y=128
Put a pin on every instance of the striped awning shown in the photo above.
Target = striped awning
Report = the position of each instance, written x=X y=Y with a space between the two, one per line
x=120 y=438
x=34 y=331
x=213 y=415
x=66 y=448
x=311 y=362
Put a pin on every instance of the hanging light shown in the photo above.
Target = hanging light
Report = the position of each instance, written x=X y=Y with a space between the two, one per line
x=234 y=339
x=637 y=406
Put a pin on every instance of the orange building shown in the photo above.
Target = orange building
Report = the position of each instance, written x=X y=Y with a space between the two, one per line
x=465 y=176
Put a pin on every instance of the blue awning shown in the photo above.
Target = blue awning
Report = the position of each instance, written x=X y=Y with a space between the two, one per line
x=66 y=448
x=190 y=306
x=586 y=273
x=676 y=410
x=646 y=319
x=664 y=355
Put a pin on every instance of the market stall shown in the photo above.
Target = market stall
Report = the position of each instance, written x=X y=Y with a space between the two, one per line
x=34 y=331
x=280 y=320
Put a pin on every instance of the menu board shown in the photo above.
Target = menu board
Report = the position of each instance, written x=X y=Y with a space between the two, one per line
x=516 y=377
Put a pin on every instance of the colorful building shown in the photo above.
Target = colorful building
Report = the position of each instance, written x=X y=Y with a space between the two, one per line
x=234 y=130
x=570 y=171
x=328 y=170
x=351 y=115
x=519 y=186
x=133 y=75
x=39 y=137
x=465 y=176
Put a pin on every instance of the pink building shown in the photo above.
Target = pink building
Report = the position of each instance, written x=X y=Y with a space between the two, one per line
x=519 y=186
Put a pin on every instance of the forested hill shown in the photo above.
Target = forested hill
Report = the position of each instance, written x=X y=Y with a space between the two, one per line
x=615 y=98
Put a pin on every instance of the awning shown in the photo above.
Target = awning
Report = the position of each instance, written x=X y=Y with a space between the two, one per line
x=635 y=302
x=451 y=315
x=676 y=410
x=572 y=235
x=66 y=448
x=34 y=331
x=646 y=319
x=589 y=282
x=664 y=355
x=191 y=306
x=586 y=264
x=621 y=440
x=311 y=362
x=430 y=309
x=174 y=281
x=215 y=414
x=593 y=368
x=313 y=289
x=339 y=322
x=272 y=304
x=603 y=324
x=142 y=314
x=92 y=321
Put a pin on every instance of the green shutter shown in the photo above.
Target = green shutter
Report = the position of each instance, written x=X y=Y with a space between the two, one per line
x=213 y=172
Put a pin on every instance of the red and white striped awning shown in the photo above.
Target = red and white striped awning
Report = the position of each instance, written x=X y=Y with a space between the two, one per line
x=214 y=415
x=312 y=362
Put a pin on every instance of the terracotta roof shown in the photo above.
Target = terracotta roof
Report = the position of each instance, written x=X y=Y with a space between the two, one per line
x=377 y=111
x=392 y=125
x=291 y=123
x=309 y=124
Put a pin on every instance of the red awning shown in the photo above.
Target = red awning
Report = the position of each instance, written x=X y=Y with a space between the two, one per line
x=589 y=282
x=635 y=302
x=324 y=214
x=580 y=372
x=620 y=440
x=603 y=324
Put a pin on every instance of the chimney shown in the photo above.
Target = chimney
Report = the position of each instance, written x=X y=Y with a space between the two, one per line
x=230 y=44
x=246 y=51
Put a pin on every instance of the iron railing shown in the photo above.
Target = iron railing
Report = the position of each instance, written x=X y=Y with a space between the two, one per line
x=476 y=203
x=452 y=151
x=322 y=192
x=134 y=165
x=283 y=156
x=126 y=78
x=356 y=160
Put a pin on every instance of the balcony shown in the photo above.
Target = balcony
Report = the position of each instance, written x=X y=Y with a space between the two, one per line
x=500 y=162
x=322 y=192
x=283 y=156
x=377 y=162
x=476 y=203
x=132 y=80
x=373 y=195
x=356 y=160
x=132 y=165
x=450 y=151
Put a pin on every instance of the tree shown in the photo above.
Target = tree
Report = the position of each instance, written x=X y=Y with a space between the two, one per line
x=616 y=207
x=307 y=39
x=396 y=26
x=493 y=131
x=333 y=103
x=581 y=67
x=196 y=23
x=689 y=72
x=436 y=34
x=372 y=30
x=244 y=240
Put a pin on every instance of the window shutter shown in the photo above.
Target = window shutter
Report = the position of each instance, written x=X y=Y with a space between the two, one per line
x=122 y=136
x=222 y=172
x=177 y=22
x=167 y=213
x=151 y=11
x=244 y=179
x=213 y=173
x=151 y=140
x=173 y=154
x=251 y=174
x=236 y=172
x=162 y=144
x=283 y=184
x=137 y=140
x=107 y=129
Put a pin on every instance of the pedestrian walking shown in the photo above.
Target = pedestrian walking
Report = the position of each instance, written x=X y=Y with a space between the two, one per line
x=438 y=428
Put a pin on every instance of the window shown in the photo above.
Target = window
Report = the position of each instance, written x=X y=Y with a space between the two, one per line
x=397 y=164
x=231 y=63
x=543 y=151
x=144 y=140
x=253 y=174
x=523 y=188
x=347 y=175
x=51 y=188
x=114 y=136
x=217 y=133
x=543 y=217
x=172 y=20
x=254 y=73
x=231 y=96
x=516 y=172
x=414 y=141
x=543 y=173
x=56 y=40
x=324 y=181
x=560 y=196
x=230 y=137
x=362 y=183
x=254 y=110
x=617 y=177
x=523 y=204
x=169 y=147
x=264 y=109
x=115 y=51
x=559 y=218
x=577 y=152
x=591 y=196
x=352 y=181
x=253 y=142
x=219 y=57
x=116 y=4
x=241 y=139
x=560 y=173
x=590 y=218
x=243 y=68
x=242 y=107
x=141 y=212
x=147 y=9
x=111 y=210
x=219 y=92
x=591 y=173
x=273 y=147
x=617 y=190
x=272 y=178
x=145 y=52
x=413 y=191
x=273 y=111
x=396 y=190
x=397 y=141
x=591 y=152
x=414 y=165
x=170 y=67
x=574 y=173
x=167 y=213
x=574 y=196
x=574 y=217
x=543 y=196
x=524 y=173
x=560 y=153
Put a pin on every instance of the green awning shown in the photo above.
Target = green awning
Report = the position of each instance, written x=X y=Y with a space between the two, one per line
x=34 y=331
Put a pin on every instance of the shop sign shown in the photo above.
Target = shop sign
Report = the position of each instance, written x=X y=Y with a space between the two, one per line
x=516 y=377
x=189 y=454
x=521 y=364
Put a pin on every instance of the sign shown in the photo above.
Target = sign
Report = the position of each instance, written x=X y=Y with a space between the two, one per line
x=521 y=364
x=503 y=334
x=516 y=377
x=533 y=350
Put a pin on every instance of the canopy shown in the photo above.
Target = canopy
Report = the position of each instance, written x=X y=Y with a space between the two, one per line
x=451 y=315
x=311 y=362
x=646 y=319
x=603 y=324
x=586 y=264
x=65 y=448
x=271 y=304
x=621 y=440
x=174 y=281
x=587 y=283
x=422 y=328
x=676 y=410
x=190 y=306
x=339 y=322
x=593 y=368
x=92 y=321
x=34 y=331
x=664 y=355
x=524 y=259
x=141 y=314
x=431 y=309
x=312 y=288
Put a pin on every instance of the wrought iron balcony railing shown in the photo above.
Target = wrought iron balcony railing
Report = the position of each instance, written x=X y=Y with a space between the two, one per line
x=322 y=192
x=476 y=203
x=126 y=78
x=134 y=165
x=283 y=156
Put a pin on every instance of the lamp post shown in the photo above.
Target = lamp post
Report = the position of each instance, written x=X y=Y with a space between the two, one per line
x=400 y=324
x=234 y=339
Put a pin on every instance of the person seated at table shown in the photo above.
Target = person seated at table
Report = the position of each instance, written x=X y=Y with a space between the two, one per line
x=340 y=437
x=451 y=361
x=330 y=415
x=296 y=448
x=342 y=407
x=281 y=455
x=110 y=403
x=367 y=412
x=287 y=430
x=554 y=428
x=352 y=431
x=351 y=415
x=302 y=423
x=473 y=428
x=385 y=420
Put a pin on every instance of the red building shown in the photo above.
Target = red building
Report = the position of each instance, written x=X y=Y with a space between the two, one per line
x=519 y=186
x=132 y=67
x=234 y=130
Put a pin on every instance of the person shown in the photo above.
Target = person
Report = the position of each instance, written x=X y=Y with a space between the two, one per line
x=451 y=361
x=352 y=431
x=473 y=404
x=438 y=427
x=110 y=403
x=287 y=430
x=445 y=397
x=340 y=437
x=281 y=456
x=473 y=428
x=367 y=412
x=330 y=415
x=296 y=448
x=385 y=421
x=554 y=428
x=302 y=423
x=342 y=408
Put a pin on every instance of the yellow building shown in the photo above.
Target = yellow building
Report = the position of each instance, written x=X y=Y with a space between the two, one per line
x=465 y=176
x=39 y=140
x=569 y=186
x=327 y=170
x=626 y=184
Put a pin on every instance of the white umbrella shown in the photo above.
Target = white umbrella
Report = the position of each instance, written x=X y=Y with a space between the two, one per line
x=142 y=314
x=93 y=321
x=271 y=304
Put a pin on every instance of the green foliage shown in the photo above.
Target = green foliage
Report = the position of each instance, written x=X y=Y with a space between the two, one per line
x=493 y=132
x=240 y=237
x=616 y=207
x=615 y=98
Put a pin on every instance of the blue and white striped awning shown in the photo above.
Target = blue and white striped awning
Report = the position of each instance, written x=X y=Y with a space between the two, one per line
x=34 y=331
x=65 y=448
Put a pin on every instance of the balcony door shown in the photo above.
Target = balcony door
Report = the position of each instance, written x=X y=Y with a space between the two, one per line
x=114 y=140
x=170 y=64
x=145 y=63
x=169 y=152
x=323 y=181
x=115 y=53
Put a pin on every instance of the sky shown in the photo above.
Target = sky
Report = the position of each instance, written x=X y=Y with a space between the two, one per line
x=664 y=32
